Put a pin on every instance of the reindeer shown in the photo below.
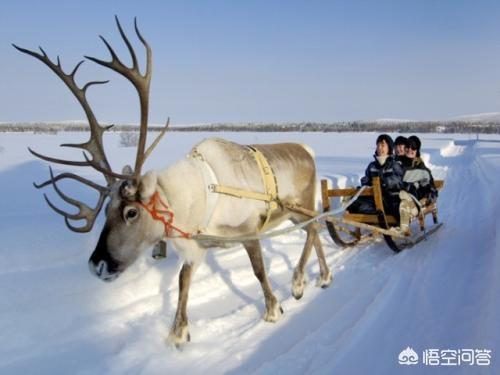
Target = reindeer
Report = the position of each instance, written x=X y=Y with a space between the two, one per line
x=179 y=203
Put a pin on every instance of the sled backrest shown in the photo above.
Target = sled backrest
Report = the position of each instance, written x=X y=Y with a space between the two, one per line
x=375 y=191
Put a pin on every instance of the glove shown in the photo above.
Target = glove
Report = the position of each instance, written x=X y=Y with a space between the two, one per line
x=433 y=194
x=404 y=196
x=410 y=188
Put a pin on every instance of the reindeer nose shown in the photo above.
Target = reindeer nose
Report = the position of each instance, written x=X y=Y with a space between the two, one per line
x=101 y=270
x=97 y=269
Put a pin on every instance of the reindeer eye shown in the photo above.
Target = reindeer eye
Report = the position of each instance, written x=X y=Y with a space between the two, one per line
x=131 y=213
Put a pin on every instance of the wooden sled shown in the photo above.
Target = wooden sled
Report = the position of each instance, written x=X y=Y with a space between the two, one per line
x=352 y=229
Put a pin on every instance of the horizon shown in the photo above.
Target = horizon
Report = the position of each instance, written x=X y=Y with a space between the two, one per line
x=259 y=62
x=478 y=119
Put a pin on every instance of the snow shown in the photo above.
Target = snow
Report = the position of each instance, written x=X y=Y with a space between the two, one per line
x=55 y=317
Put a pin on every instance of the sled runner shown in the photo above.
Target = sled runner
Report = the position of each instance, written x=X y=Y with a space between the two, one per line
x=353 y=228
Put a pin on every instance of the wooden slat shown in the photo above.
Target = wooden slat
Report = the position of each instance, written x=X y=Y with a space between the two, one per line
x=368 y=218
x=377 y=194
x=324 y=195
x=362 y=218
x=367 y=226
x=373 y=218
x=347 y=192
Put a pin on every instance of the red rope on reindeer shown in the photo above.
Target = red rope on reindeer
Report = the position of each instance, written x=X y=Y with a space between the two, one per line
x=165 y=215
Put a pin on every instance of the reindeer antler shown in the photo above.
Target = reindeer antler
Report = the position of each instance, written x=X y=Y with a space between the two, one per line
x=140 y=82
x=94 y=146
x=84 y=212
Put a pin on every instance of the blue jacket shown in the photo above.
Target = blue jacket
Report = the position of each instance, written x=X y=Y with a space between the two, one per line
x=391 y=180
x=391 y=175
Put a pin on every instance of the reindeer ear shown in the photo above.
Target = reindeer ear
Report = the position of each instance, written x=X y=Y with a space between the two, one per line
x=147 y=186
x=127 y=170
x=128 y=190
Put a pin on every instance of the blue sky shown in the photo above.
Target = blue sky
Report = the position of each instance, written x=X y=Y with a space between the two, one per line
x=239 y=61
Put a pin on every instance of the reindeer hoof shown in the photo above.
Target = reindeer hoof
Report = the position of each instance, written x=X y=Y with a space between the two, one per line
x=297 y=295
x=298 y=285
x=274 y=314
x=325 y=281
x=180 y=346
x=179 y=336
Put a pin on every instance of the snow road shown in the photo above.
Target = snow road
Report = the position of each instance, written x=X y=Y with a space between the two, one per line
x=55 y=318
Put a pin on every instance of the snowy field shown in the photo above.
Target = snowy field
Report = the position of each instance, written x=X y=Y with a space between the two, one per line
x=444 y=294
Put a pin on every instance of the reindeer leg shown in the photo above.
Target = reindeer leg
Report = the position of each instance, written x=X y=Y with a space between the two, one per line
x=298 y=280
x=179 y=333
x=325 y=275
x=273 y=308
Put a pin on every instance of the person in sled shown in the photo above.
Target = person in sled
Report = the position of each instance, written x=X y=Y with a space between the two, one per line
x=400 y=146
x=418 y=185
x=391 y=179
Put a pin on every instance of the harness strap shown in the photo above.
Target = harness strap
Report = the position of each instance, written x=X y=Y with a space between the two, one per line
x=160 y=211
x=210 y=180
x=270 y=194
x=240 y=193
x=270 y=185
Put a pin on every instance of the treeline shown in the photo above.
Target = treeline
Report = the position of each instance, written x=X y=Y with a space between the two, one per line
x=355 y=126
x=350 y=126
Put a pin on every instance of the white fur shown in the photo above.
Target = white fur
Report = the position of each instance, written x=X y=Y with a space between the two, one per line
x=183 y=190
x=147 y=186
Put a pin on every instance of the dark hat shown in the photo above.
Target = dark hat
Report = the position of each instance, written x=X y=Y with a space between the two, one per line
x=400 y=140
x=414 y=142
x=387 y=139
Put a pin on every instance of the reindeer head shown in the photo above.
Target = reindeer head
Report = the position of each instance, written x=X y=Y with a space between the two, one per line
x=129 y=227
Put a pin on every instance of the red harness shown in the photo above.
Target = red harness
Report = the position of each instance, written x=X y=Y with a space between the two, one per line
x=160 y=211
